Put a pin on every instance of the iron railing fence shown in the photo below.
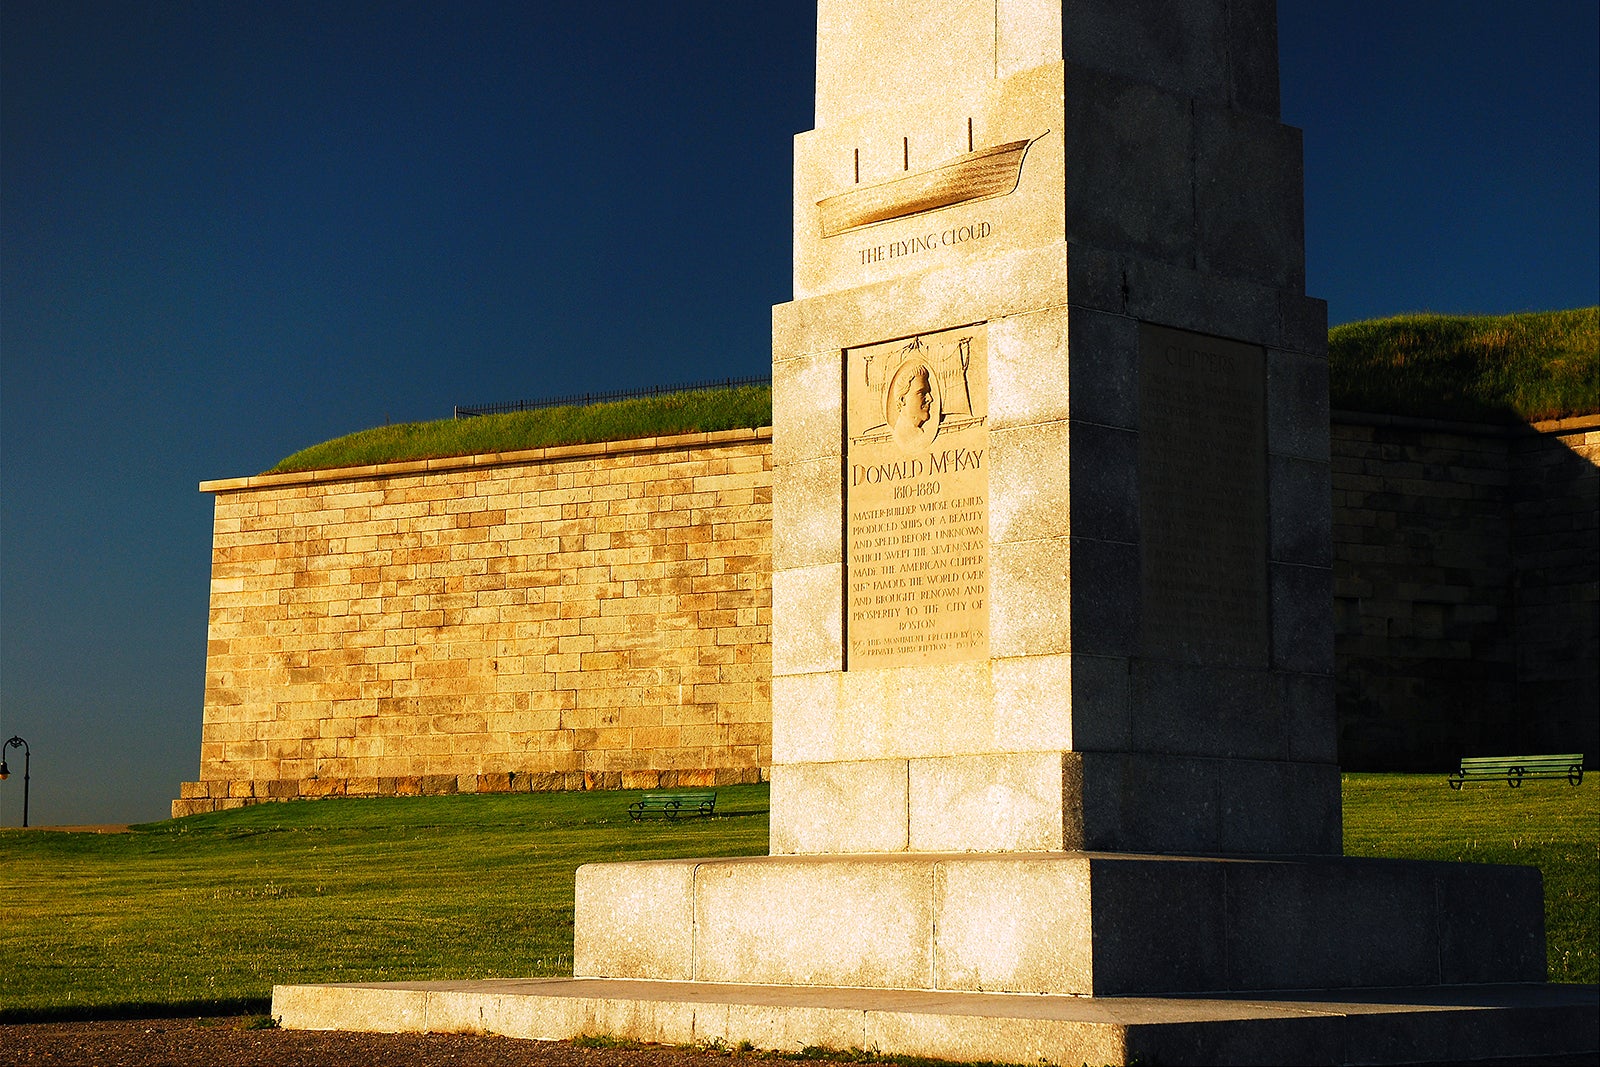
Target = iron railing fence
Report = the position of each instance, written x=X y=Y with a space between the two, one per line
x=582 y=399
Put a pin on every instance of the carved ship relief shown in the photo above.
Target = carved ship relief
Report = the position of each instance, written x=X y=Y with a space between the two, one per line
x=981 y=175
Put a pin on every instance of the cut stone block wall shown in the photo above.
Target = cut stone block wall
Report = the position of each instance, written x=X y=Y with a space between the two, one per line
x=592 y=616
x=599 y=616
x=1466 y=590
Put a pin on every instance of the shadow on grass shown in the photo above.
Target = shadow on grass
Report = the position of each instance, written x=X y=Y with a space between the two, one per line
x=171 y=1009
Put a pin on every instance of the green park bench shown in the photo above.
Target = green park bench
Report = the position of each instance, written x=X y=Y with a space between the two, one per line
x=671 y=805
x=1514 y=769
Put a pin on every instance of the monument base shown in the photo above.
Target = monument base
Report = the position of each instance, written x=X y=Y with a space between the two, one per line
x=1525 y=1024
x=1080 y=923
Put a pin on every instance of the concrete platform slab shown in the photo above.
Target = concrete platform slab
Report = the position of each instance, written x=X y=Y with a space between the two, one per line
x=1062 y=923
x=1523 y=1023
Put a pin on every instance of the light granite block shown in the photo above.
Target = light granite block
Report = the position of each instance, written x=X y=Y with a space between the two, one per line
x=805 y=404
x=1026 y=352
x=1034 y=701
x=1029 y=479
x=804 y=717
x=805 y=505
x=637 y=920
x=814 y=921
x=334 y=1007
x=993 y=803
x=1031 y=598
x=1014 y=926
x=839 y=807
x=807 y=616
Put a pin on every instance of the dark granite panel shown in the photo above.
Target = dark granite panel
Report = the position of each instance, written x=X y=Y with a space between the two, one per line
x=1148 y=911
x=1095 y=279
x=1297 y=405
x=1280 y=808
x=1309 y=719
x=1141 y=803
x=1305 y=324
x=1133 y=189
x=1100 y=700
x=1202 y=498
x=1103 y=368
x=1329 y=924
x=1105 y=597
x=1182 y=709
x=1185 y=299
x=1253 y=57
x=1181 y=45
x=1302 y=618
x=1491 y=926
x=1299 y=497
x=1104 y=479
x=1249 y=212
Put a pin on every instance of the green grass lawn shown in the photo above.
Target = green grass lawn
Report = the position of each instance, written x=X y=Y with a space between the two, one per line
x=208 y=912
x=1544 y=824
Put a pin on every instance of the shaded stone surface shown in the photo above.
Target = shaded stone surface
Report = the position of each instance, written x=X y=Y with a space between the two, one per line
x=1518 y=1023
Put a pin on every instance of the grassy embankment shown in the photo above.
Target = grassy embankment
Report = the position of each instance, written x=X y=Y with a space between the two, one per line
x=206 y=913
x=698 y=411
x=1483 y=368
x=1528 y=367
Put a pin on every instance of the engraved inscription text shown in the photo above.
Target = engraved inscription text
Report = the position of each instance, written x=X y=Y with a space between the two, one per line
x=916 y=500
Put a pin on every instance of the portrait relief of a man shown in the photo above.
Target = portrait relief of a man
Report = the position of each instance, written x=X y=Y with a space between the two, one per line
x=912 y=405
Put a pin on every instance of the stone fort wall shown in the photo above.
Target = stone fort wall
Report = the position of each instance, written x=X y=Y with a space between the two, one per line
x=1466 y=589
x=598 y=616
x=593 y=616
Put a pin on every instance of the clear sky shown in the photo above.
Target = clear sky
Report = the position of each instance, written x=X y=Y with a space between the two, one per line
x=229 y=230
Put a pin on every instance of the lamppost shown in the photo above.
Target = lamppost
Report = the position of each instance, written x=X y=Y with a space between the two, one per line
x=5 y=772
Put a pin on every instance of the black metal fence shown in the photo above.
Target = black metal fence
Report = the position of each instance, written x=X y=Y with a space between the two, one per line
x=581 y=399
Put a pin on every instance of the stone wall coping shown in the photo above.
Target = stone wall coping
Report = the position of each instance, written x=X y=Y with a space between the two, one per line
x=1474 y=429
x=489 y=459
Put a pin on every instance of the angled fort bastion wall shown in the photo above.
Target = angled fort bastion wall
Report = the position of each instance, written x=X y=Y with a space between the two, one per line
x=592 y=616
x=598 y=616
x=1466 y=589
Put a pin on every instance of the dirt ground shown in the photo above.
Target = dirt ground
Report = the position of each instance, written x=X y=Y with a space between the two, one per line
x=227 y=1043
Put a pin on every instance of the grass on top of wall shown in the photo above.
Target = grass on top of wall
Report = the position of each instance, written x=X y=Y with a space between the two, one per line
x=695 y=411
x=1481 y=368
x=206 y=913
x=1498 y=368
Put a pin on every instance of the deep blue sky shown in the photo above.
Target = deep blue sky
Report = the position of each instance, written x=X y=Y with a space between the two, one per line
x=232 y=229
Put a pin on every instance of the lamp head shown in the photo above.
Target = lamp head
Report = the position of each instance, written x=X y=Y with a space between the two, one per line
x=5 y=772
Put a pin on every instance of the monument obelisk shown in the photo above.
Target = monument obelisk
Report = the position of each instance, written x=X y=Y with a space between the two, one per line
x=1052 y=575
x=1052 y=636
x=1052 y=647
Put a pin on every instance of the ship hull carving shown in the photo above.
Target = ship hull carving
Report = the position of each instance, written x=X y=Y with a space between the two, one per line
x=981 y=175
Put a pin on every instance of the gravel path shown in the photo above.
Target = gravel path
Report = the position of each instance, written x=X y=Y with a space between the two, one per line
x=226 y=1043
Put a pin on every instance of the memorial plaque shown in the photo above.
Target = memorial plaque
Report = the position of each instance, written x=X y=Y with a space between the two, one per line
x=917 y=500
x=1203 y=498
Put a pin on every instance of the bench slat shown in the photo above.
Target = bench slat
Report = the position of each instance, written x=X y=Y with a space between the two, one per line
x=1514 y=769
x=671 y=805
